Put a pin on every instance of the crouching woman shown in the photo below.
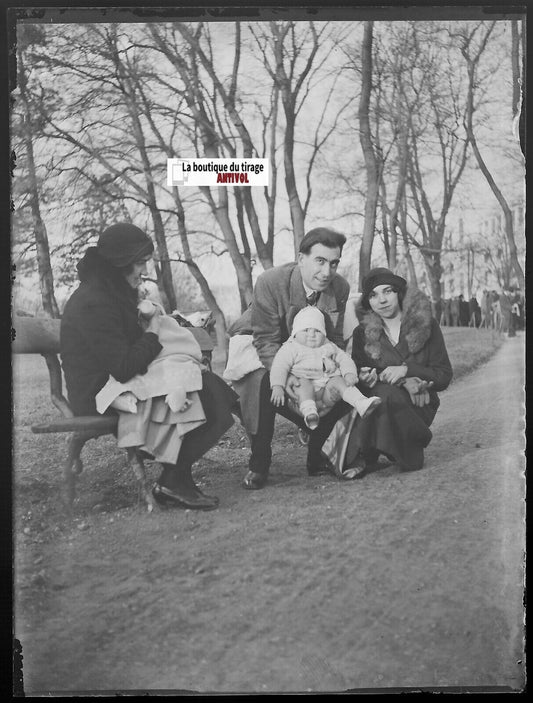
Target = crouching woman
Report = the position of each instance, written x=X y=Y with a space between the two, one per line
x=401 y=355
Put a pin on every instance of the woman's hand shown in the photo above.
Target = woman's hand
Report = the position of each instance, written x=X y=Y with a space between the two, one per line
x=393 y=374
x=368 y=376
x=418 y=390
x=292 y=383
x=277 y=397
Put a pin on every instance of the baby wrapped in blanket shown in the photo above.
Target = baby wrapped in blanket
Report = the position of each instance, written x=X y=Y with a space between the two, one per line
x=157 y=408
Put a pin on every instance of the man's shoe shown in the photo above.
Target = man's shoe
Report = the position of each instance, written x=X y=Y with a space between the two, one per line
x=206 y=495
x=190 y=499
x=253 y=480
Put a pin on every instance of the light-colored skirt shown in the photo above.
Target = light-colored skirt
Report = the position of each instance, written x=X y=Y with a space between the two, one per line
x=157 y=429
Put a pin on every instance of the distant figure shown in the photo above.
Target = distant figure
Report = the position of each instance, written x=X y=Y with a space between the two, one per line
x=455 y=311
x=496 y=311
x=474 y=313
x=506 y=313
x=446 y=316
x=516 y=311
x=464 y=312
x=486 y=310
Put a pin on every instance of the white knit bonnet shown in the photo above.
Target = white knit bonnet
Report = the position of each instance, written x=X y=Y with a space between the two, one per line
x=310 y=316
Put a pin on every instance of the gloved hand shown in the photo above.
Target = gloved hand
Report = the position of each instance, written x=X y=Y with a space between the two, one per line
x=418 y=390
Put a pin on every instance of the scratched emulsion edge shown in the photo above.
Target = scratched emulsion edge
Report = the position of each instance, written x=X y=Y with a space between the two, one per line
x=9 y=56
x=262 y=11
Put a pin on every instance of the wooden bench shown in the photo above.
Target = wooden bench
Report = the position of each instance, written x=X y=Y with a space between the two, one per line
x=39 y=335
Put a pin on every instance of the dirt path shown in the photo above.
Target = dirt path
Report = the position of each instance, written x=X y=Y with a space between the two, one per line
x=398 y=580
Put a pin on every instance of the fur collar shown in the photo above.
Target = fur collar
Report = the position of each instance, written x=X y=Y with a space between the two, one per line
x=416 y=323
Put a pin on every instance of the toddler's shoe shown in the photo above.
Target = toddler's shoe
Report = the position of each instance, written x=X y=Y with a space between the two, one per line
x=366 y=406
x=312 y=420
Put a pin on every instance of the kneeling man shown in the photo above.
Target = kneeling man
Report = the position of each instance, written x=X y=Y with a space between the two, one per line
x=279 y=294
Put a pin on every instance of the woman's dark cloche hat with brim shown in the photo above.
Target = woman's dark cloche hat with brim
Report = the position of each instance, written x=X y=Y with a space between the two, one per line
x=123 y=244
x=380 y=277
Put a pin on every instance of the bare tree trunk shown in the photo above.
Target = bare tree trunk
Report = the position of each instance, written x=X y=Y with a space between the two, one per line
x=210 y=140
x=246 y=253
x=242 y=267
x=165 y=269
x=434 y=270
x=289 y=93
x=408 y=256
x=211 y=301
x=228 y=98
x=400 y=190
x=46 y=279
x=384 y=224
x=507 y=214
x=166 y=281
x=295 y=206
x=271 y=197
x=472 y=63
x=365 y=252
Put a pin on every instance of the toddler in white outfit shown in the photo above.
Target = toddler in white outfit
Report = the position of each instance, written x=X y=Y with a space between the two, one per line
x=320 y=367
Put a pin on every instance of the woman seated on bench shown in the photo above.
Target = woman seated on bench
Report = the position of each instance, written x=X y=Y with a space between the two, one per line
x=101 y=336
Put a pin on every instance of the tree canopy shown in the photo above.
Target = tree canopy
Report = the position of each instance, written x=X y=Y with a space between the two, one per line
x=399 y=134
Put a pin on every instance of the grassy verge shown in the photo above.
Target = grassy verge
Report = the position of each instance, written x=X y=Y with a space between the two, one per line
x=470 y=348
x=467 y=348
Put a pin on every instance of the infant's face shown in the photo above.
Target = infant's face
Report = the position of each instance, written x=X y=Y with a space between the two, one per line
x=310 y=337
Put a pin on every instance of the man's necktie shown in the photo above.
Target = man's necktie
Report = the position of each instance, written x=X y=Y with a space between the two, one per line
x=312 y=297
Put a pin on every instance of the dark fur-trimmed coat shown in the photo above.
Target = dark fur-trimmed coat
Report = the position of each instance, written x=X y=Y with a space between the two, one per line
x=398 y=428
x=421 y=345
x=100 y=334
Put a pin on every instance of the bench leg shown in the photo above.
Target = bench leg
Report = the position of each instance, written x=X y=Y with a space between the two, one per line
x=136 y=463
x=73 y=467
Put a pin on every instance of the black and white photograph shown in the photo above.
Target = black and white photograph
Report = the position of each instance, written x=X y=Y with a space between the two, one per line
x=321 y=488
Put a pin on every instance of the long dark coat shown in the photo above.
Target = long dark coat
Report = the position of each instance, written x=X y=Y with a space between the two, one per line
x=397 y=428
x=100 y=334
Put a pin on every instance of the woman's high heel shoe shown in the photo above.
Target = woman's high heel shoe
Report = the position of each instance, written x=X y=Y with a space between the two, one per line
x=189 y=499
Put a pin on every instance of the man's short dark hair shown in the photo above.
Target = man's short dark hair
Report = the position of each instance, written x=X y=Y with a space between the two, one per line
x=322 y=235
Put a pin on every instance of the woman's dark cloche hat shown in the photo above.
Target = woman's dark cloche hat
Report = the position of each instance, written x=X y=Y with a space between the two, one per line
x=123 y=244
x=381 y=277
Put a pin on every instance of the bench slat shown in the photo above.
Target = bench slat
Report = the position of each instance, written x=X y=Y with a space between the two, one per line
x=36 y=335
x=81 y=423
x=40 y=335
